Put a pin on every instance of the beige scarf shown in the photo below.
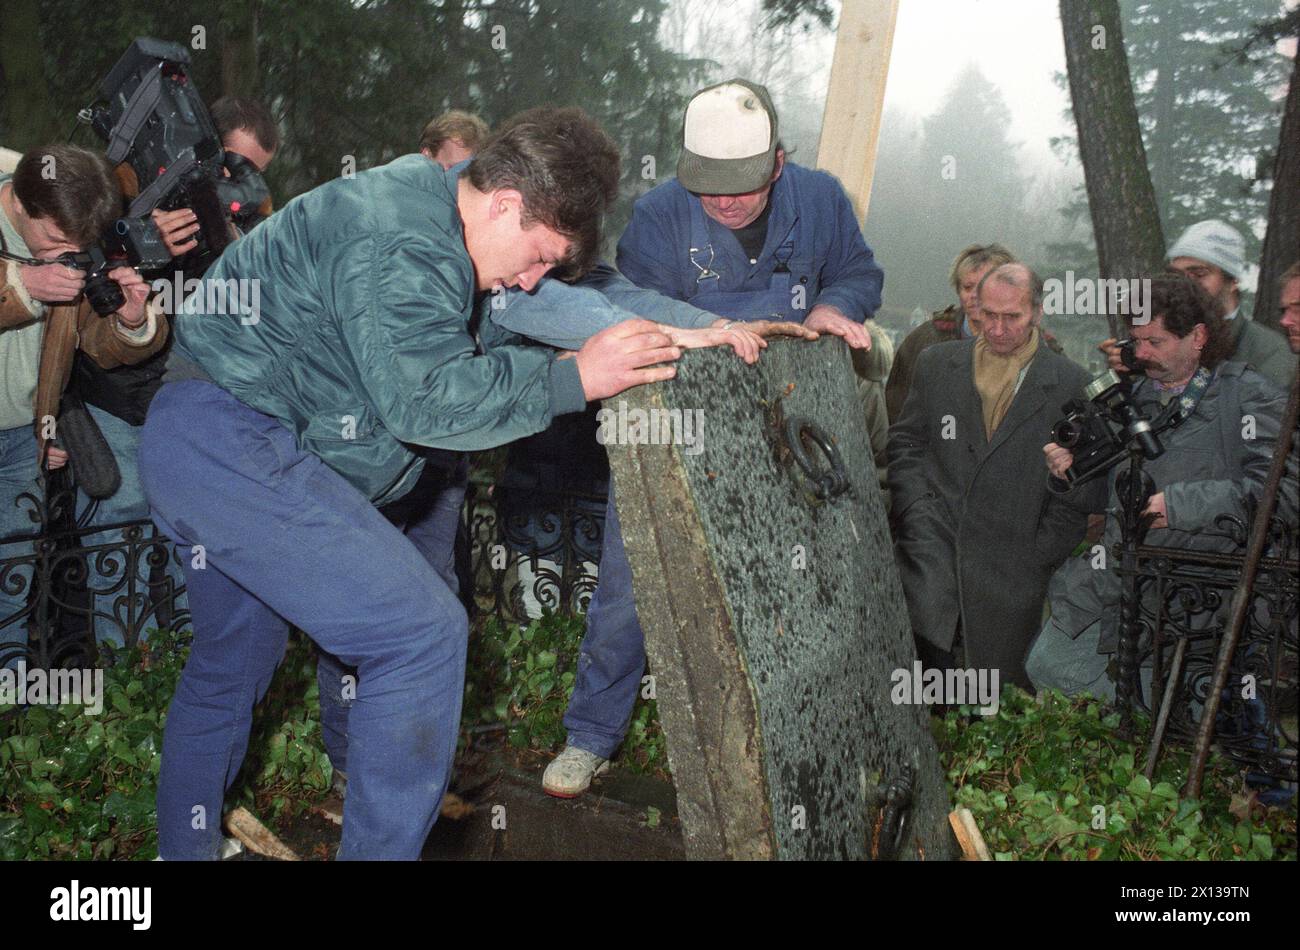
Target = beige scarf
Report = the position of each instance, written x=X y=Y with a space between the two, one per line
x=995 y=378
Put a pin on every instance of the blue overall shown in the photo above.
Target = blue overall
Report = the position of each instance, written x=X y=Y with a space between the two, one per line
x=673 y=247
x=775 y=302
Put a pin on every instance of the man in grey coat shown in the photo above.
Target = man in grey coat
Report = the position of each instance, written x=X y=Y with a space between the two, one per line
x=1215 y=459
x=1213 y=254
x=977 y=532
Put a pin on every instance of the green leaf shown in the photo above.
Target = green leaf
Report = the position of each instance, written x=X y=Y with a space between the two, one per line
x=1139 y=786
x=1263 y=846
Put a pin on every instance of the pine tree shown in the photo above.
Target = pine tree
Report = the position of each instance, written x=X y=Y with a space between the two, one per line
x=1208 y=118
x=953 y=179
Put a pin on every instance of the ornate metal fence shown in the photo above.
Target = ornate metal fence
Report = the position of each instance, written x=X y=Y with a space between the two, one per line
x=530 y=551
x=1185 y=595
x=79 y=586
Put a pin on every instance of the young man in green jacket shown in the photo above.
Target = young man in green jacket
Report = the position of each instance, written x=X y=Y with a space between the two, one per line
x=329 y=349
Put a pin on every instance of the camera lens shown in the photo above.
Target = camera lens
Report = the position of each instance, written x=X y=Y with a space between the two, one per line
x=104 y=294
x=1066 y=433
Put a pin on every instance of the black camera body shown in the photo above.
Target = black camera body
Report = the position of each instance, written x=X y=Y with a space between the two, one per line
x=1098 y=430
x=129 y=242
x=152 y=118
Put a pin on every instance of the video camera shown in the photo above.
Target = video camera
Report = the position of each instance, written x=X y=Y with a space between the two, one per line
x=1099 y=430
x=152 y=118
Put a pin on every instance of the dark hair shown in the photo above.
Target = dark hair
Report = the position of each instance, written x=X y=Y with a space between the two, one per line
x=464 y=127
x=1183 y=303
x=565 y=167
x=232 y=113
x=71 y=186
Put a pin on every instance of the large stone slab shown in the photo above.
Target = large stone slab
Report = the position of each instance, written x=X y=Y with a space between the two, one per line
x=774 y=618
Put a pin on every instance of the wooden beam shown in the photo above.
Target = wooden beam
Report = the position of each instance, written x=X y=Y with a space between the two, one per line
x=855 y=98
x=968 y=835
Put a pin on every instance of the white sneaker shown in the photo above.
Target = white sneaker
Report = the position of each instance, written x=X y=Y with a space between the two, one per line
x=570 y=773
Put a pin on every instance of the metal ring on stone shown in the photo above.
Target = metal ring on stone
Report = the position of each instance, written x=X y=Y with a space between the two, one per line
x=827 y=484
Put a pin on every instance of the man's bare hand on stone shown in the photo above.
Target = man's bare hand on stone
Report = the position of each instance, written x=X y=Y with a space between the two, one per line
x=623 y=356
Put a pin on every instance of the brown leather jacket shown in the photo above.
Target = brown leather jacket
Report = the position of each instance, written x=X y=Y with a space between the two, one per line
x=69 y=327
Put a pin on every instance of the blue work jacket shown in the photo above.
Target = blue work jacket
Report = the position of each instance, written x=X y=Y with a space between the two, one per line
x=814 y=253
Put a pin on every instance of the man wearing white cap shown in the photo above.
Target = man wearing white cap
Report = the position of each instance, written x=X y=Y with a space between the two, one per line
x=747 y=236
x=1213 y=253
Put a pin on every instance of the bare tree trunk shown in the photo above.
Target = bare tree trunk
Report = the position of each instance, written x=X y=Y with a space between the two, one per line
x=1282 y=239
x=1125 y=220
x=29 y=118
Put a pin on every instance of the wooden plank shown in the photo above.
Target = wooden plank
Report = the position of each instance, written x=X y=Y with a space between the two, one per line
x=244 y=825
x=968 y=835
x=855 y=98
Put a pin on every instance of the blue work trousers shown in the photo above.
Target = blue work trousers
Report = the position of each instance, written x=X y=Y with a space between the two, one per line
x=611 y=659
x=432 y=528
x=272 y=536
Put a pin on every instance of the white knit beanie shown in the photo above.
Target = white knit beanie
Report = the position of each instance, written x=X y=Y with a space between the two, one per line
x=1215 y=242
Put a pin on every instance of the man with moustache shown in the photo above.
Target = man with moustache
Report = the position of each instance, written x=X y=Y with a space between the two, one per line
x=1213 y=464
x=1213 y=253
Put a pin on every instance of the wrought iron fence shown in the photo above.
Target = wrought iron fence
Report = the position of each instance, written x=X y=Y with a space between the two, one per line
x=71 y=586
x=1185 y=595
x=79 y=586
x=531 y=551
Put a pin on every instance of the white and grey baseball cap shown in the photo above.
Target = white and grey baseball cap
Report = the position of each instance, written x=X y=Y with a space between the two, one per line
x=729 y=139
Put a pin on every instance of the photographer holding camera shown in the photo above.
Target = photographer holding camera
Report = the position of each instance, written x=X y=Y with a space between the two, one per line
x=1213 y=254
x=58 y=201
x=118 y=399
x=247 y=129
x=1215 y=460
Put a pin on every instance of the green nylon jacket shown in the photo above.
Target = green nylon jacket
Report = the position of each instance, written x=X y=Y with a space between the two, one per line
x=357 y=333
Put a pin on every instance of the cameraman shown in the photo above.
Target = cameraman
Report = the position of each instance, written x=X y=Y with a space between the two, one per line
x=58 y=201
x=118 y=400
x=247 y=128
x=1214 y=461
x=1213 y=254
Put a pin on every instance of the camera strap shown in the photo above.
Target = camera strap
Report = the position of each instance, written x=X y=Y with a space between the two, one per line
x=1178 y=410
x=138 y=110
